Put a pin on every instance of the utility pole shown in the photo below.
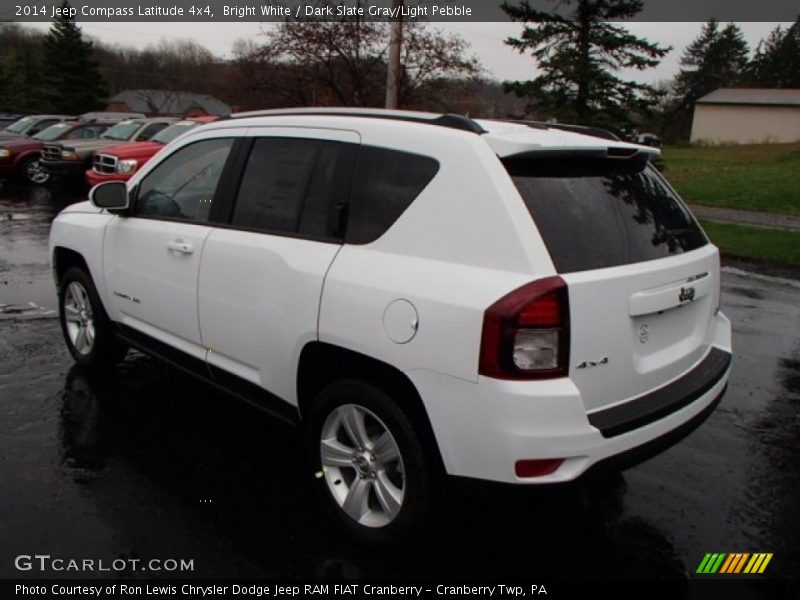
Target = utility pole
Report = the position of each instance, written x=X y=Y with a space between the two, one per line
x=393 y=72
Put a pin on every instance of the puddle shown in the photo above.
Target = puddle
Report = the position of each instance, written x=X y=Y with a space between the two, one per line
x=14 y=217
x=31 y=310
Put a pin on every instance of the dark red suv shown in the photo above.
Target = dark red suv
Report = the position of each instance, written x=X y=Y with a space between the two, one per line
x=19 y=157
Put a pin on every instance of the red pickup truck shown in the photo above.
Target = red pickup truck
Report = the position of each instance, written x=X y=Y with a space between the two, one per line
x=19 y=156
x=120 y=162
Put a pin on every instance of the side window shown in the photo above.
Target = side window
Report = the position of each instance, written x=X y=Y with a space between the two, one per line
x=328 y=191
x=184 y=184
x=85 y=133
x=95 y=131
x=289 y=186
x=81 y=133
x=386 y=182
x=150 y=130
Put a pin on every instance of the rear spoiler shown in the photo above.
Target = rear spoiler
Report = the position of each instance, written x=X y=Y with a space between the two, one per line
x=597 y=132
x=632 y=153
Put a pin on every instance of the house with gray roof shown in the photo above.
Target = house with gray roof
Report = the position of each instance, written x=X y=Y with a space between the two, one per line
x=168 y=103
x=747 y=116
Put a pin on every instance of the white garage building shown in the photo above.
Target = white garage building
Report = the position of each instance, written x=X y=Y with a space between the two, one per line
x=747 y=116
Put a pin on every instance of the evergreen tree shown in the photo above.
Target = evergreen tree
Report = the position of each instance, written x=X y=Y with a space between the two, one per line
x=579 y=57
x=22 y=92
x=777 y=59
x=717 y=58
x=4 y=81
x=74 y=82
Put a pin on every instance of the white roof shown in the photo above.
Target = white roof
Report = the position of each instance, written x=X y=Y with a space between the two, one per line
x=505 y=138
x=766 y=96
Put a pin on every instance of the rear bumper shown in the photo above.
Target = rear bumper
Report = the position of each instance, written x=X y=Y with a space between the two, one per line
x=664 y=401
x=648 y=450
x=483 y=429
x=94 y=178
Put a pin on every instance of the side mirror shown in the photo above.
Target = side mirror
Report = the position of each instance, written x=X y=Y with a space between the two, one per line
x=111 y=195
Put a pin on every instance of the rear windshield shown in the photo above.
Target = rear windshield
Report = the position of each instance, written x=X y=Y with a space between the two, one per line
x=594 y=214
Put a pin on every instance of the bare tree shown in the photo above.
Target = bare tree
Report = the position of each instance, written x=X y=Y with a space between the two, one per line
x=181 y=64
x=344 y=63
x=159 y=102
x=432 y=63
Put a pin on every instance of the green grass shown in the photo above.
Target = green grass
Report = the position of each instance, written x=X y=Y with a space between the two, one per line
x=780 y=247
x=753 y=177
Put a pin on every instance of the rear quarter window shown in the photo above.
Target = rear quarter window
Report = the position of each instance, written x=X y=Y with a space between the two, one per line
x=594 y=214
x=290 y=186
x=385 y=184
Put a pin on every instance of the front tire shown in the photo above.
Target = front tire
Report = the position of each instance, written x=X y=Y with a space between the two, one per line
x=87 y=330
x=33 y=172
x=373 y=475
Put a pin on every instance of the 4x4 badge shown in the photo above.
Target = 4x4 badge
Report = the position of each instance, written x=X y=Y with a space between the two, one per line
x=687 y=294
x=593 y=363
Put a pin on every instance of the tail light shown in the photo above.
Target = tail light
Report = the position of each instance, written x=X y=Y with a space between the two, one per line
x=526 y=333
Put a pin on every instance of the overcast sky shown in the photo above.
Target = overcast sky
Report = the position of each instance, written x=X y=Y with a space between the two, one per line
x=486 y=40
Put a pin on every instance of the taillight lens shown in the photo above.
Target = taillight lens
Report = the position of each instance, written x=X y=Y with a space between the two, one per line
x=536 y=349
x=526 y=333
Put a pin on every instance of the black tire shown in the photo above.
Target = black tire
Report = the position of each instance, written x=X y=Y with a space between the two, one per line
x=38 y=176
x=418 y=476
x=106 y=349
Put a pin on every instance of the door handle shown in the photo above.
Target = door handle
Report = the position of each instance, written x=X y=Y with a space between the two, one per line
x=180 y=246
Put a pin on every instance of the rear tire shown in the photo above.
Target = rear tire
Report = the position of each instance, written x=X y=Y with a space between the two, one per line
x=372 y=473
x=87 y=330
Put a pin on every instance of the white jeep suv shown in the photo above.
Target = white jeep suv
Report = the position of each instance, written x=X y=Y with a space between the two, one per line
x=423 y=294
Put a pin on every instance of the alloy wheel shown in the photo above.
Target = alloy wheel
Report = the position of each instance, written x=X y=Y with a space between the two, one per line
x=362 y=465
x=79 y=318
x=35 y=173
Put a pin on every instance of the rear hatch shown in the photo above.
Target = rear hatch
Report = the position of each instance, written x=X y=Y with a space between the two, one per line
x=643 y=279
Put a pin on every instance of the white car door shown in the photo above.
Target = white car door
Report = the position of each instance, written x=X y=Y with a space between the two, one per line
x=261 y=276
x=152 y=255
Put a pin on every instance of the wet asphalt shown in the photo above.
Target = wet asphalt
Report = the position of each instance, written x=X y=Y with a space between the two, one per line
x=146 y=463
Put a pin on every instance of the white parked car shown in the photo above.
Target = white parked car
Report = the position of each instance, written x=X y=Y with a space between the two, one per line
x=422 y=294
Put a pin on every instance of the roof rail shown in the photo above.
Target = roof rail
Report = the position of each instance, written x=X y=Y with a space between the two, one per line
x=450 y=121
x=597 y=132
